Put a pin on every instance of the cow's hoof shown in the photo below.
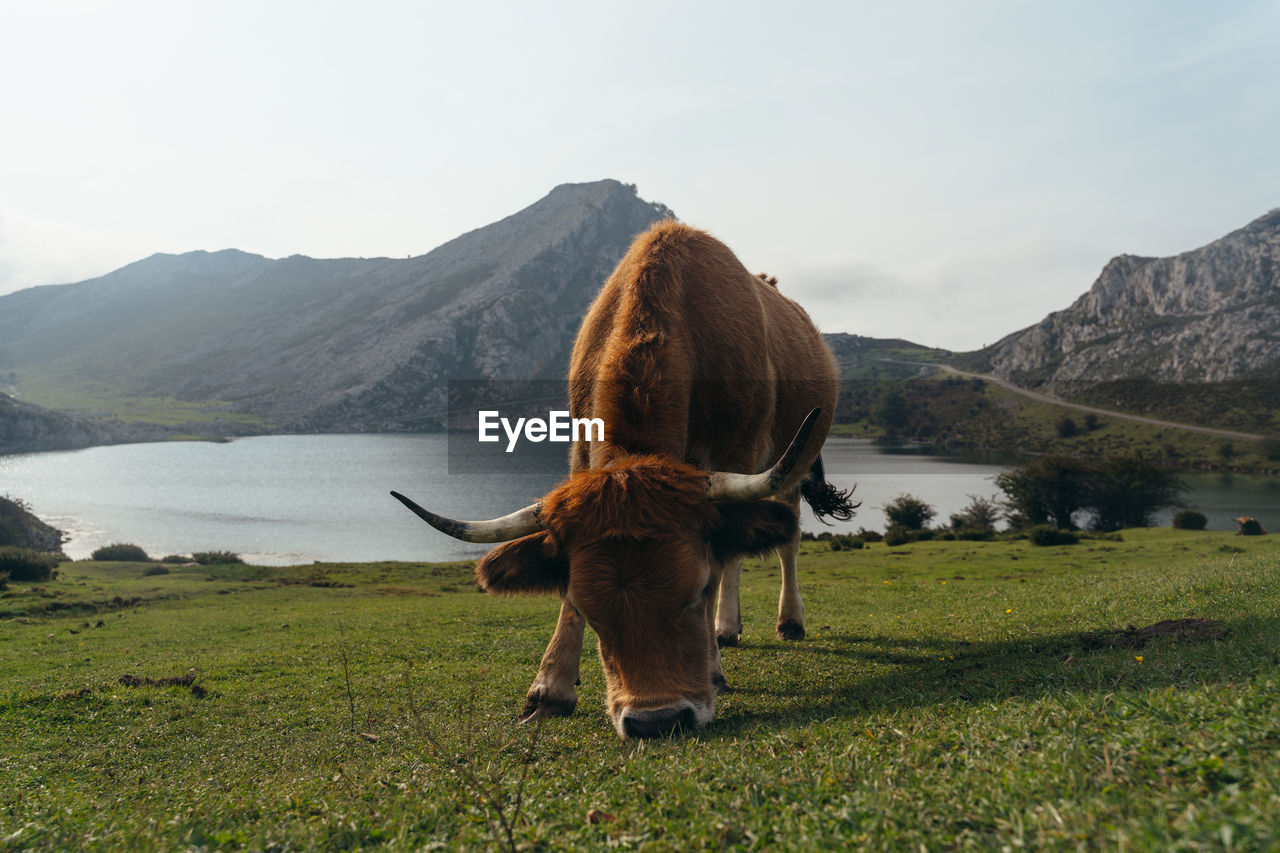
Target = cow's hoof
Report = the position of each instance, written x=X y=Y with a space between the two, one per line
x=790 y=631
x=718 y=682
x=727 y=640
x=540 y=707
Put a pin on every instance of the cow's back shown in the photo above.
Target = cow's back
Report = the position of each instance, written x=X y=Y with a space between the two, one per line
x=687 y=354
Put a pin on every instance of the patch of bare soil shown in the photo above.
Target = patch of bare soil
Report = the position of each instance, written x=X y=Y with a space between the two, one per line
x=1192 y=630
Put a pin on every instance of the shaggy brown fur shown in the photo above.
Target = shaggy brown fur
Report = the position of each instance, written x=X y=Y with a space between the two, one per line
x=694 y=365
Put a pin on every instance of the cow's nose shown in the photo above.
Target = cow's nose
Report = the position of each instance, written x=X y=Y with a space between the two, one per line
x=656 y=722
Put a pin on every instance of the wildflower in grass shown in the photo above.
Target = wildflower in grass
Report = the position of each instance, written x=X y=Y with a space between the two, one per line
x=1010 y=610
x=1138 y=658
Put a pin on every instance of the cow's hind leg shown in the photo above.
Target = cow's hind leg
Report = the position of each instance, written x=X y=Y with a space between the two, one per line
x=554 y=691
x=728 y=615
x=790 y=605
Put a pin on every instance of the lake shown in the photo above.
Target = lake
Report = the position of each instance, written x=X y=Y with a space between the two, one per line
x=287 y=499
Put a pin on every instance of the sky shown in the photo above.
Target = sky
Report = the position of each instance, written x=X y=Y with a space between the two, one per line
x=946 y=172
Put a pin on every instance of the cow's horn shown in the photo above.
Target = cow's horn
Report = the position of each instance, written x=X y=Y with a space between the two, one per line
x=513 y=526
x=723 y=485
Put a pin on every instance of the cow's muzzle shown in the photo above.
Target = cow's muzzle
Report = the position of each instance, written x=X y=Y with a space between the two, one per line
x=684 y=716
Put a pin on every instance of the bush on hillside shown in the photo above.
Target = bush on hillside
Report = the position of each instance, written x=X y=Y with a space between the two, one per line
x=980 y=514
x=845 y=542
x=211 y=558
x=896 y=535
x=1047 y=534
x=23 y=564
x=909 y=512
x=1190 y=519
x=155 y=570
x=120 y=552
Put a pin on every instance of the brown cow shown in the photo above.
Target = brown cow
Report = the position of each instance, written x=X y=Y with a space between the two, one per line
x=695 y=366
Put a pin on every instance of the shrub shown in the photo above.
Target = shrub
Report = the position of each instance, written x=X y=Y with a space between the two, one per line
x=973 y=534
x=210 y=558
x=1066 y=427
x=23 y=564
x=869 y=535
x=895 y=536
x=1047 y=534
x=845 y=542
x=909 y=512
x=120 y=553
x=155 y=570
x=1189 y=519
x=980 y=514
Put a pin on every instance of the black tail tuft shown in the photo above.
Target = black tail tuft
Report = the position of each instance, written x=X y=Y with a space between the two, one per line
x=825 y=499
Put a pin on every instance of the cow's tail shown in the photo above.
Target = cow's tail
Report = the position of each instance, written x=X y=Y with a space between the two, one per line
x=824 y=499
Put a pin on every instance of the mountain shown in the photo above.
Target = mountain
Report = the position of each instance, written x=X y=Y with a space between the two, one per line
x=1206 y=315
x=306 y=344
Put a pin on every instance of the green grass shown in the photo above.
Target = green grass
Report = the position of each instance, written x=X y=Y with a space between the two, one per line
x=945 y=698
x=82 y=397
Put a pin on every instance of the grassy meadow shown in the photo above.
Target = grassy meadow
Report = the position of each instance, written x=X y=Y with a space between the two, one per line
x=950 y=695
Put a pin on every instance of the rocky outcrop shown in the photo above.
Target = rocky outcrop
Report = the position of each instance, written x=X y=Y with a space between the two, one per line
x=18 y=527
x=1209 y=314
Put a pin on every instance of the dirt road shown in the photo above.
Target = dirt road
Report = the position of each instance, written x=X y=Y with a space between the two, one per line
x=1121 y=416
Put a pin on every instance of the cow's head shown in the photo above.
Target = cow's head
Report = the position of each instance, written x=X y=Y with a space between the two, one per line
x=634 y=548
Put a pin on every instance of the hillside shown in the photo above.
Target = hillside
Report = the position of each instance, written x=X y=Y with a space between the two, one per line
x=25 y=428
x=1211 y=314
x=306 y=344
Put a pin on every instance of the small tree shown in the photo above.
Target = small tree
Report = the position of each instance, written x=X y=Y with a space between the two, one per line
x=1066 y=427
x=908 y=512
x=1125 y=491
x=980 y=514
x=1049 y=490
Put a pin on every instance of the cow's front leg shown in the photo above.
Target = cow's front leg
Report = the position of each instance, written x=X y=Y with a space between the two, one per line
x=728 y=616
x=554 y=692
x=790 y=606
x=718 y=680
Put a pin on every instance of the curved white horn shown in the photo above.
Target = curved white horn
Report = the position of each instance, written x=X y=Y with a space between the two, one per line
x=723 y=485
x=513 y=526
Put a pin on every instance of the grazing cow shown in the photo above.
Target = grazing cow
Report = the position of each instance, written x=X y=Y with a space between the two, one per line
x=1249 y=526
x=695 y=366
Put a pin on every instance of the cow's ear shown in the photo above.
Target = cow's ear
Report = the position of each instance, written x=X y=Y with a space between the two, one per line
x=530 y=565
x=750 y=528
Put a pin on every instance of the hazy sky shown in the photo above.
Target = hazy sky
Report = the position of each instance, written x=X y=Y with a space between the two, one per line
x=944 y=171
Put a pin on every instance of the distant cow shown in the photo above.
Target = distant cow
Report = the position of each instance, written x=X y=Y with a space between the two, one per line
x=696 y=366
x=1249 y=526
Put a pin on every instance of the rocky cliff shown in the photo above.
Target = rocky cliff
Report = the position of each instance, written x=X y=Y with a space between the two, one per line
x=1208 y=314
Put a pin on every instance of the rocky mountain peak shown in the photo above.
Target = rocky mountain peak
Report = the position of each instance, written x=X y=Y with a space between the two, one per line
x=1212 y=313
